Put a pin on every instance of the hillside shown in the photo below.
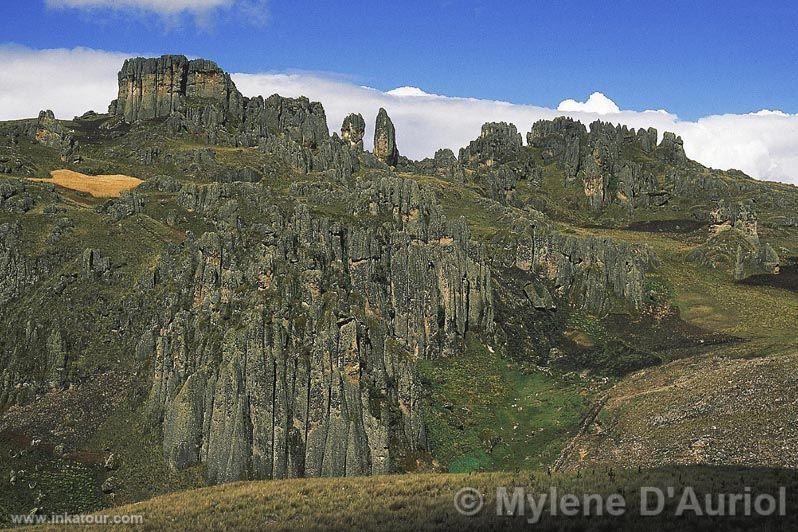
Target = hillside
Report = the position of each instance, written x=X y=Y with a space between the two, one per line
x=427 y=501
x=218 y=290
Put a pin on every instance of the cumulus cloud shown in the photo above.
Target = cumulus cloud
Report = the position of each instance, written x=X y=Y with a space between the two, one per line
x=764 y=144
x=254 y=11
x=595 y=103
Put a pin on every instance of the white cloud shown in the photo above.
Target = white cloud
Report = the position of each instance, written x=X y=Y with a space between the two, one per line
x=69 y=82
x=596 y=103
x=408 y=91
x=763 y=144
x=253 y=11
x=158 y=6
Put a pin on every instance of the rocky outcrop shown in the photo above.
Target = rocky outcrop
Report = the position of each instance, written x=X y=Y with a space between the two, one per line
x=755 y=260
x=160 y=87
x=559 y=140
x=15 y=196
x=51 y=133
x=498 y=142
x=197 y=98
x=501 y=183
x=600 y=159
x=671 y=150
x=590 y=273
x=296 y=119
x=16 y=272
x=352 y=131
x=385 y=139
x=444 y=164
x=734 y=245
x=292 y=351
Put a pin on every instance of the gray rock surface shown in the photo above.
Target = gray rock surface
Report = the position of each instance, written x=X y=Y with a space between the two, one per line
x=734 y=245
x=51 y=133
x=332 y=390
x=352 y=131
x=498 y=142
x=385 y=139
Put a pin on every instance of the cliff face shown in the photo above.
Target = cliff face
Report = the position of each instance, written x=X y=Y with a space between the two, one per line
x=291 y=350
x=160 y=87
x=196 y=97
x=589 y=273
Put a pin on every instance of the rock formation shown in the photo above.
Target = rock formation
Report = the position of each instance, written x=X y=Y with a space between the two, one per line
x=159 y=87
x=352 y=131
x=385 y=139
x=53 y=135
x=332 y=390
x=599 y=158
x=734 y=245
x=671 y=149
x=278 y=303
x=198 y=98
x=498 y=143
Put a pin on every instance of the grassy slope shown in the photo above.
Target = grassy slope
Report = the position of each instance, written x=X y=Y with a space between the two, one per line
x=726 y=406
x=488 y=413
x=421 y=502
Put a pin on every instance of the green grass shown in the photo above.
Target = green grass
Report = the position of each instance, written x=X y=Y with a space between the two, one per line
x=136 y=443
x=41 y=481
x=488 y=414
x=710 y=298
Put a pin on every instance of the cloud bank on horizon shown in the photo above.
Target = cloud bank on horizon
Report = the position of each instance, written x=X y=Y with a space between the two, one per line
x=763 y=144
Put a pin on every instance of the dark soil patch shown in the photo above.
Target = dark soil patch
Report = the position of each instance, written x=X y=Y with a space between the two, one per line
x=633 y=343
x=63 y=416
x=667 y=226
x=528 y=333
x=665 y=333
x=787 y=278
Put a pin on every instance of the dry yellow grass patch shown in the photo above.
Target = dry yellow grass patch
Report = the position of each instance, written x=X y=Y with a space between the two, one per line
x=99 y=186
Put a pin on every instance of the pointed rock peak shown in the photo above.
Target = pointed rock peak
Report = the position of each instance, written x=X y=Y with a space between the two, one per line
x=353 y=129
x=671 y=149
x=385 y=139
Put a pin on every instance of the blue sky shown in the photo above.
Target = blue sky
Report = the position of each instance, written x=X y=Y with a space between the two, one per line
x=693 y=58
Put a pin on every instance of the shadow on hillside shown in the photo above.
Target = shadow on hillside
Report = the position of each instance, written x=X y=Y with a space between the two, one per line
x=786 y=279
